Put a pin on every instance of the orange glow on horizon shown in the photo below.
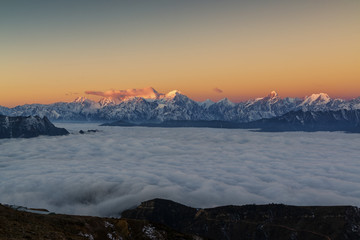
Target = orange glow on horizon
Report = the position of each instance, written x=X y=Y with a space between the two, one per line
x=207 y=93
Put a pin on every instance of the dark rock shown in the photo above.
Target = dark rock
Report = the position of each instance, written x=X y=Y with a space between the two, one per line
x=88 y=131
x=26 y=127
x=92 y=131
x=120 y=123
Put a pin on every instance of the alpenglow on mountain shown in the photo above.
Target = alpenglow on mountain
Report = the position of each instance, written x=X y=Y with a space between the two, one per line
x=147 y=105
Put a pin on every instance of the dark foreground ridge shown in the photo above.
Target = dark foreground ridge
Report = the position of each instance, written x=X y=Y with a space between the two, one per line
x=260 y=222
x=16 y=225
x=27 y=127
x=164 y=219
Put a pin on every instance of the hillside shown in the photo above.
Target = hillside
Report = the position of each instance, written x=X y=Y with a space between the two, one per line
x=164 y=219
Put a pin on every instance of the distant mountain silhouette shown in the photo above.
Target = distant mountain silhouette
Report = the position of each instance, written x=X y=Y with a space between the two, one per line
x=341 y=120
x=167 y=220
x=309 y=121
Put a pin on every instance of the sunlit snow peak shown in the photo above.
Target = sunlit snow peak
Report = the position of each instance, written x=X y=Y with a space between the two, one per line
x=318 y=98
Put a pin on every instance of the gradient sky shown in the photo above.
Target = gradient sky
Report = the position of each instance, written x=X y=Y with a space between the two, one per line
x=56 y=50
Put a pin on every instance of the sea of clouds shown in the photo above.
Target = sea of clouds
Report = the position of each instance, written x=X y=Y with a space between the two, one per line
x=107 y=172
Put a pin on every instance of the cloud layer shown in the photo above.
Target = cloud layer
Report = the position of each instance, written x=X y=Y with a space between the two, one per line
x=217 y=90
x=122 y=94
x=104 y=173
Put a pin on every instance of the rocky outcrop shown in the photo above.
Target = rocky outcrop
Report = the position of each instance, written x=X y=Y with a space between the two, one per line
x=260 y=222
x=26 y=127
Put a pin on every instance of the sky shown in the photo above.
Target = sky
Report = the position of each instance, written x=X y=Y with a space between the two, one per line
x=57 y=50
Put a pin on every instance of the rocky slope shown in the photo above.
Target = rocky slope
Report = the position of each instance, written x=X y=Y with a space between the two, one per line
x=163 y=219
x=26 y=127
x=16 y=225
x=260 y=222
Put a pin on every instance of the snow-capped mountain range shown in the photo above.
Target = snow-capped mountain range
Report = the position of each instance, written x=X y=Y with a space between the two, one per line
x=157 y=107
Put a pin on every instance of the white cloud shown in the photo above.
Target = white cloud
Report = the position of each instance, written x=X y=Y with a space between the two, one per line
x=120 y=95
x=109 y=171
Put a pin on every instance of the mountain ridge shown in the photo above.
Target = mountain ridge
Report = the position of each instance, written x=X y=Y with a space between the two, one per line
x=154 y=106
